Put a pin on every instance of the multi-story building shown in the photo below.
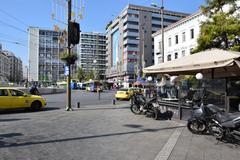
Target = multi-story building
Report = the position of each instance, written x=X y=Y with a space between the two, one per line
x=15 y=67
x=129 y=40
x=180 y=38
x=92 y=53
x=44 y=53
x=4 y=68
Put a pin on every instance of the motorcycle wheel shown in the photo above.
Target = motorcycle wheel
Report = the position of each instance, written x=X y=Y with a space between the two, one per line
x=196 y=127
x=216 y=131
x=135 y=109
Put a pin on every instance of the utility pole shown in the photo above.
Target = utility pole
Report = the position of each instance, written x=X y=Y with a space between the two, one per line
x=162 y=29
x=69 y=107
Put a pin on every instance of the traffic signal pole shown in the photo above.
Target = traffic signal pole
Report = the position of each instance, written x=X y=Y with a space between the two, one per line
x=69 y=107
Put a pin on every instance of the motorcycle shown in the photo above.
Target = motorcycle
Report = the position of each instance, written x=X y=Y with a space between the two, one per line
x=140 y=105
x=210 y=118
x=226 y=126
x=201 y=118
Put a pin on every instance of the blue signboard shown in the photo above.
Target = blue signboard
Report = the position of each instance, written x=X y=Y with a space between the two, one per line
x=66 y=70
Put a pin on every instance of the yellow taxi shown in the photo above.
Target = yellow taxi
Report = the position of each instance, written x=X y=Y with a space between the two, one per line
x=124 y=93
x=11 y=98
x=136 y=90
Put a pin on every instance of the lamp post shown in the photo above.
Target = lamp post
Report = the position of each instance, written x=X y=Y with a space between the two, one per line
x=162 y=26
x=69 y=107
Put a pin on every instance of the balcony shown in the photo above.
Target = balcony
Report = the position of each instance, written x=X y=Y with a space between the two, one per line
x=131 y=26
x=130 y=41
x=128 y=33
x=131 y=49
x=133 y=19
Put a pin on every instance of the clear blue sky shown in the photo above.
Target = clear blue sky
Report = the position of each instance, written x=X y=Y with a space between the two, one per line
x=17 y=15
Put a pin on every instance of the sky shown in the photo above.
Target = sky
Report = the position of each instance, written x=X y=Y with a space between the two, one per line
x=17 y=15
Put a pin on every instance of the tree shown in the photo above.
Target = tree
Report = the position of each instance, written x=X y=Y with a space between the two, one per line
x=90 y=75
x=222 y=29
x=216 y=6
x=108 y=25
x=81 y=75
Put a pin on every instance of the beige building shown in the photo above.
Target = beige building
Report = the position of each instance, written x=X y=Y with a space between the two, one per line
x=130 y=44
x=4 y=68
x=15 y=67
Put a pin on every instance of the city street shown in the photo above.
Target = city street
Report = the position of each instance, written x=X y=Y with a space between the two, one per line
x=99 y=130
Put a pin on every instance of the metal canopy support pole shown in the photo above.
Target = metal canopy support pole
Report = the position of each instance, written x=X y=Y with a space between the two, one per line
x=162 y=29
x=68 y=107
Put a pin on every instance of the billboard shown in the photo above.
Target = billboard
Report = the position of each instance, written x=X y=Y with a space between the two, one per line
x=115 y=48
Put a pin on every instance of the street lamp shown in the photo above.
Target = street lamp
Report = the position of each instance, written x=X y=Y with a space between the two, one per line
x=162 y=28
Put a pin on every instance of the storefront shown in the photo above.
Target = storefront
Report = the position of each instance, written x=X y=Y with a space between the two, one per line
x=221 y=72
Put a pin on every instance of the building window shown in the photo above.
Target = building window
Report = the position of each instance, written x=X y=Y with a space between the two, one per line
x=176 y=39
x=159 y=60
x=183 y=37
x=169 y=57
x=160 y=46
x=176 y=55
x=169 y=42
x=192 y=33
x=183 y=53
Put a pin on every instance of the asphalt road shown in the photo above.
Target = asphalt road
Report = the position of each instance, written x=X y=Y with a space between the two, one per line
x=85 y=98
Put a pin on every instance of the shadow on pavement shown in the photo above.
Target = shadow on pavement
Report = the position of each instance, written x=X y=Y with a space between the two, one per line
x=4 y=145
x=13 y=119
x=18 y=111
x=10 y=135
x=105 y=108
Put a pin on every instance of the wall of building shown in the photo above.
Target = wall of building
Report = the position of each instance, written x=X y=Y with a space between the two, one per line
x=188 y=28
x=4 y=68
x=45 y=51
x=92 y=48
x=130 y=43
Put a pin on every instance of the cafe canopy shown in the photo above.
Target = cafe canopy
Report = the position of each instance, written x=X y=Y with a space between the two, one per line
x=214 y=62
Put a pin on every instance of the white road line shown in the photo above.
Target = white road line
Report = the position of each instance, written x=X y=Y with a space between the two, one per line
x=168 y=147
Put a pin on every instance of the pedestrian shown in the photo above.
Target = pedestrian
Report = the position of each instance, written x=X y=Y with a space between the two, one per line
x=34 y=91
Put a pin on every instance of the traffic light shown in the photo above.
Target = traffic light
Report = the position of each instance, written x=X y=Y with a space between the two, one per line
x=74 y=32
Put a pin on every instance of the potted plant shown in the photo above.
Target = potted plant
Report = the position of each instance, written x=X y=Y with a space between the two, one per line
x=69 y=58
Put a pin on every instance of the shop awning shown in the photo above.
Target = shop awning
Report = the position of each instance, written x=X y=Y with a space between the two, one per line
x=212 y=61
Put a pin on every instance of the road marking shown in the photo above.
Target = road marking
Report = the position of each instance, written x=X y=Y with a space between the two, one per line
x=168 y=147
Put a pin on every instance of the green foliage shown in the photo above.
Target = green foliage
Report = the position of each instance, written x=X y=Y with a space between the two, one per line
x=215 y=6
x=90 y=75
x=69 y=58
x=222 y=29
x=108 y=25
x=81 y=75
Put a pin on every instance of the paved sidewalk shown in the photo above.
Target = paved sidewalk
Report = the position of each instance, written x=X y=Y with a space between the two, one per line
x=104 y=132
x=203 y=147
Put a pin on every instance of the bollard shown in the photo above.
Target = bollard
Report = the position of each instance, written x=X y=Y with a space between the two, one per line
x=78 y=104
x=99 y=95
x=113 y=101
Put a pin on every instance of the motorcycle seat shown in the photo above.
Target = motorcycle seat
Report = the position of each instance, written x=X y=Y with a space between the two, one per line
x=224 y=117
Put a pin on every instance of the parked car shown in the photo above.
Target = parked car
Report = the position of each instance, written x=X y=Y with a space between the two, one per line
x=124 y=93
x=11 y=98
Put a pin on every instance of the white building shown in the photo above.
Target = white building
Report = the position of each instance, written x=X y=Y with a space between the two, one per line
x=44 y=52
x=179 y=38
